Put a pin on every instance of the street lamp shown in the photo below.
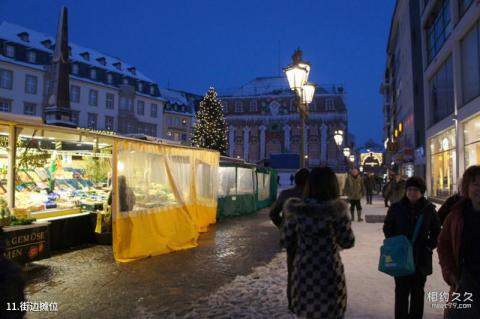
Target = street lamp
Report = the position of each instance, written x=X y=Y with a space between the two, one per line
x=297 y=76
x=352 y=158
x=346 y=152
x=338 y=136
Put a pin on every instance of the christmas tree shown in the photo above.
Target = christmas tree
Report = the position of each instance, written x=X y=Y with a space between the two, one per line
x=210 y=130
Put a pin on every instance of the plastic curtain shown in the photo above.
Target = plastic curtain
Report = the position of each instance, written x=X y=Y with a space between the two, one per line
x=163 y=197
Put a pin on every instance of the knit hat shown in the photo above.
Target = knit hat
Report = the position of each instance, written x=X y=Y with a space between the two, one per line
x=417 y=182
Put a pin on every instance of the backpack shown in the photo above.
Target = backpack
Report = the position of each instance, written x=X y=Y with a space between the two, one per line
x=396 y=254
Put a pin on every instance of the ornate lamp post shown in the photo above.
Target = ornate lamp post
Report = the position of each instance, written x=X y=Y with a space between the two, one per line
x=297 y=76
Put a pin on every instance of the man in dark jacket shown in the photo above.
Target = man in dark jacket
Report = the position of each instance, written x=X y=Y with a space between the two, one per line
x=369 y=182
x=12 y=284
x=278 y=218
x=401 y=220
x=395 y=190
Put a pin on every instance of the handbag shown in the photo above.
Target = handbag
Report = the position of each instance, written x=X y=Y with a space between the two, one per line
x=396 y=254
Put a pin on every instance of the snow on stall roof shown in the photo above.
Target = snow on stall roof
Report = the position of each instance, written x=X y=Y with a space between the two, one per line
x=271 y=85
x=9 y=31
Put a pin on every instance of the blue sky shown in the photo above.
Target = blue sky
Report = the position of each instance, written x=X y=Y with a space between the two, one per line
x=193 y=44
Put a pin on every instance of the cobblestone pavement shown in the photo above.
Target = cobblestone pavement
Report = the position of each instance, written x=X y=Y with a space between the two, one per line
x=88 y=283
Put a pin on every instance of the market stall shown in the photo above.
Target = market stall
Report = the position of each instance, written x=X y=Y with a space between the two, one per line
x=237 y=188
x=160 y=196
x=266 y=186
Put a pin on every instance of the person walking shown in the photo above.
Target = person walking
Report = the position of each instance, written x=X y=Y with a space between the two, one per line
x=384 y=189
x=369 y=182
x=292 y=178
x=401 y=219
x=354 y=189
x=395 y=190
x=458 y=249
x=317 y=228
x=278 y=218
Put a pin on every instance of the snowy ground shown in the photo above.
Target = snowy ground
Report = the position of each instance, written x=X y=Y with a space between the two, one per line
x=261 y=294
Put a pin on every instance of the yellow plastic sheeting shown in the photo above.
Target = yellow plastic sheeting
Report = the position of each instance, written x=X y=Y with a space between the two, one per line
x=161 y=203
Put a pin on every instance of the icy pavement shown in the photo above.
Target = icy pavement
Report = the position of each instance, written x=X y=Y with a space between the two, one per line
x=261 y=294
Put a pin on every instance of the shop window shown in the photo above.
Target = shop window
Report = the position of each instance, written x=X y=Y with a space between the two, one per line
x=226 y=185
x=471 y=133
x=441 y=92
x=6 y=79
x=3 y=160
x=443 y=163
x=244 y=181
x=75 y=94
x=30 y=84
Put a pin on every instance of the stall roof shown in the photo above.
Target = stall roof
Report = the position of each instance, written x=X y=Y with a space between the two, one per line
x=230 y=161
x=37 y=122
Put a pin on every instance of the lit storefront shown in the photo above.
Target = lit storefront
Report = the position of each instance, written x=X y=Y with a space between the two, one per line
x=443 y=162
x=471 y=131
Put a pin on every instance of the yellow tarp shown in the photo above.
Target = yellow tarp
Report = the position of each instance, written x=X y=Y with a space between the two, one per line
x=175 y=197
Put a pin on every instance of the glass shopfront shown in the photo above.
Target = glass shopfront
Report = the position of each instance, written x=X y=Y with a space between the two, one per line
x=471 y=131
x=443 y=162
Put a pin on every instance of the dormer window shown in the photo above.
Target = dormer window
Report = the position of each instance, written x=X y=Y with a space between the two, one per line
x=102 y=61
x=109 y=78
x=85 y=55
x=132 y=70
x=31 y=57
x=24 y=36
x=75 y=68
x=93 y=74
x=47 y=44
x=140 y=86
x=118 y=65
x=10 y=51
x=152 y=90
x=125 y=80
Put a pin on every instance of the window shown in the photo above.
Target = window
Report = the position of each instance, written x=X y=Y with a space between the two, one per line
x=472 y=141
x=184 y=122
x=10 y=51
x=470 y=65
x=169 y=121
x=140 y=107
x=152 y=90
x=153 y=110
x=177 y=121
x=140 y=87
x=93 y=74
x=6 y=79
x=443 y=161
x=31 y=57
x=75 y=94
x=5 y=105
x=109 y=123
x=184 y=137
x=293 y=107
x=110 y=101
x=92 y=121
x=30 y=84
x=176 y=136
x=330 y=105
x=75 y=117
x=439 y=29
x=75 y=68
x=464 y=5
x=29 y=108
x=253 y=106
x=109 y=78
x=238 y=107
x=126 y=104
x=93 y=97
x=125 y=81
x=441 y=92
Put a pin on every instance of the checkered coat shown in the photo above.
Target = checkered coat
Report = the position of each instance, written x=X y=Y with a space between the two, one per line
x=316 y=232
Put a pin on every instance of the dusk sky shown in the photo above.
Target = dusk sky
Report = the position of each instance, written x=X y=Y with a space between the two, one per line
x=193 y=44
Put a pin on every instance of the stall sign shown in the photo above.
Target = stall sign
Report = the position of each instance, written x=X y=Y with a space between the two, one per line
x=27 y=244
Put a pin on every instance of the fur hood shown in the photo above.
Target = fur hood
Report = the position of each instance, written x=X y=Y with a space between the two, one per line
x=314 y=208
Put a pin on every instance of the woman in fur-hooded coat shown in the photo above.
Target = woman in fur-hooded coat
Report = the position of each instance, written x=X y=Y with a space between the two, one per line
x=317 y=228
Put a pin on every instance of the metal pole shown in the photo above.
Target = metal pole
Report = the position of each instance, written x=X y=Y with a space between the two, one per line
x=12 y=151
x=302 y=140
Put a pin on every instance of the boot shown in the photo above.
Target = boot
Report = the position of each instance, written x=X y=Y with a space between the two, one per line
x=352 y=215
x=359 y=214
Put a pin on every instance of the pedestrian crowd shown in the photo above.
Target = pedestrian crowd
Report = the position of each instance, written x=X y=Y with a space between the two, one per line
x=315 y=225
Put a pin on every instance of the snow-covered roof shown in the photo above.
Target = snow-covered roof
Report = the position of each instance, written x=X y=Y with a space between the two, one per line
x=272 y=85
x=10 y=32
x=174 y=97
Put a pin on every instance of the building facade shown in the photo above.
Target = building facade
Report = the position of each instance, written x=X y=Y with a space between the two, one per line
x=105 y=92
x=451 y=42
x=402 y=89
x=178 y=115
x=262 y=120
